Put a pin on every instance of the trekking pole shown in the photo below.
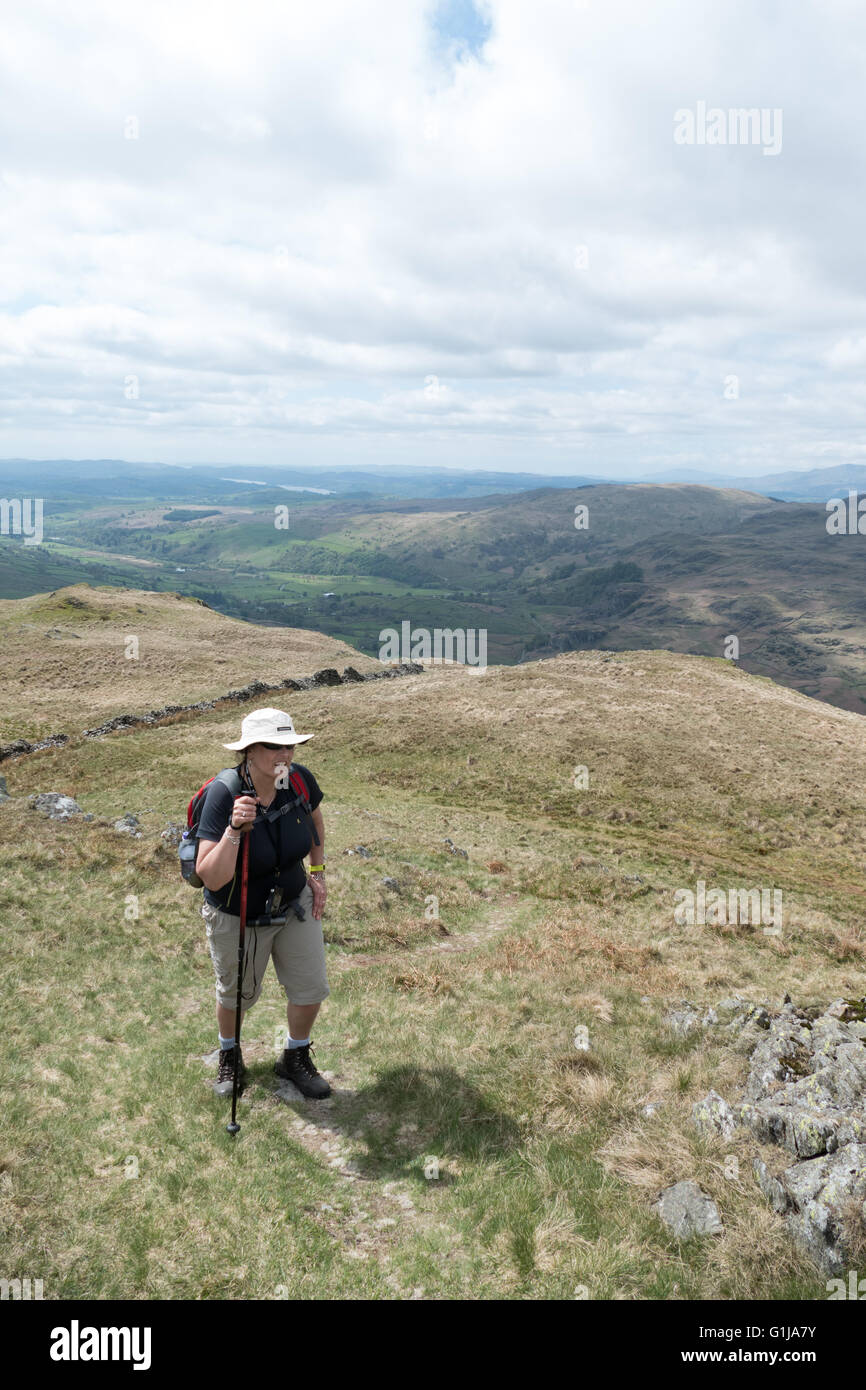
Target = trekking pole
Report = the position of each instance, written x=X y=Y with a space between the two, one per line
x=234 y=1127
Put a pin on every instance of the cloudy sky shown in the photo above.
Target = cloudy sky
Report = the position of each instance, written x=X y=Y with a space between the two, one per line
x=394 y=231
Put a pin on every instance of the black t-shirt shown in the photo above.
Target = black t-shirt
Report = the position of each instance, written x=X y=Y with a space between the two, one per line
x=277 y=848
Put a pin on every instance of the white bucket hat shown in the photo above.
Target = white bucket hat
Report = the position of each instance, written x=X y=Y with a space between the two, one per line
x=268 y=726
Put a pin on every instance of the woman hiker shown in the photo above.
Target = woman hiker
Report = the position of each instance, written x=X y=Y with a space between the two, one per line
x=276 y=877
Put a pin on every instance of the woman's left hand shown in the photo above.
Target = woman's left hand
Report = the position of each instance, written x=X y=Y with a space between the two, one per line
x=320 y=892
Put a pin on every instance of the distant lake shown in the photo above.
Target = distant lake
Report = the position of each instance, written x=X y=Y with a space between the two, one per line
x=287 y=487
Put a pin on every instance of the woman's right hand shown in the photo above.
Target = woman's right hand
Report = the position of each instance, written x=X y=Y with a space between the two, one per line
x=244 y=812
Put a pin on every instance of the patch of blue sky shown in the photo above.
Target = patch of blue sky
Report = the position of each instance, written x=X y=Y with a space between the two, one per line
x=460 y=29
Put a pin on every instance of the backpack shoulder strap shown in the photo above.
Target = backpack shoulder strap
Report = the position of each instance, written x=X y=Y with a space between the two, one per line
x=228 y=777
x=297 y=780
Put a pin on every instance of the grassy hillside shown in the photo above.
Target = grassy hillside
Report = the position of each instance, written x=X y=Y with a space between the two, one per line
x=66 y=665
x=449 y=1041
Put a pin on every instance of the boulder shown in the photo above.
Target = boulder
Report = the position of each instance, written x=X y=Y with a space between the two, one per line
x=57 y=806
x=688 y=1211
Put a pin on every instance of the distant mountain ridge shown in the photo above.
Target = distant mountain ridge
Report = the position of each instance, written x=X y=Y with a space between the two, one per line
x=120 y=478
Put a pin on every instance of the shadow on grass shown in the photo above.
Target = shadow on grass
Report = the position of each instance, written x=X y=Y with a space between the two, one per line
x=410 y=1117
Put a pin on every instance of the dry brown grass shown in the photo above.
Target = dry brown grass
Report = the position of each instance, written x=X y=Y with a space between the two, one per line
x=557 y=945
x=417 y=981
x=80 y=675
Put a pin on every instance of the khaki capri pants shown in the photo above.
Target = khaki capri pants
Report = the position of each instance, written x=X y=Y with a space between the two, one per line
x=297 y=948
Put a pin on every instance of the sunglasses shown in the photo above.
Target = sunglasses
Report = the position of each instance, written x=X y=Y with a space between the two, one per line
x=272 y=747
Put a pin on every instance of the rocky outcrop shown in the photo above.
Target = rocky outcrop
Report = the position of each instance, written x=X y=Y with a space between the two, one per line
x=806 y=1092
x=807 y=1080
x=57 y=806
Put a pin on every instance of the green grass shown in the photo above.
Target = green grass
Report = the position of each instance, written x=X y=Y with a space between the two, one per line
x=447 y=1040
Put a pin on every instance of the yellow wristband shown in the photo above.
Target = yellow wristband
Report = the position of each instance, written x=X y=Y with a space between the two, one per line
x=317 y=868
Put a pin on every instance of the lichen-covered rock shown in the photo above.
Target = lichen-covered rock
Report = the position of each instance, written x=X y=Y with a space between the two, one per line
x=778 y=1057
x=57 y=806
x=807 y=1092
x=688 y=1211
x=823 y=1191
x=805 y=1129
x=128 y=825
x=713 y=1115
x=683 y=1021
x=772 y=1188
x=845 y=1077
x=734 y=1005
x=827 y=1035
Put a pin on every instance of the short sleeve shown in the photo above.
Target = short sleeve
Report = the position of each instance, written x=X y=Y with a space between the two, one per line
x=316 y=793
x=216 y=811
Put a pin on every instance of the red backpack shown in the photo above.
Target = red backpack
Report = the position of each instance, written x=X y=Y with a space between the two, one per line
x=188 y=847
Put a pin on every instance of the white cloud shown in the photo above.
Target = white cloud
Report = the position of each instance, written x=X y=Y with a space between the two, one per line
x=322 y=207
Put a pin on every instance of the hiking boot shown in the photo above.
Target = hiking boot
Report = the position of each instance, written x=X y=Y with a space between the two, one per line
x=297 y=1066
x=224 y=1084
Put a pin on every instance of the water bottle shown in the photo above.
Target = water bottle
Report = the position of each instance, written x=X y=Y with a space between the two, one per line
x=186 y=853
